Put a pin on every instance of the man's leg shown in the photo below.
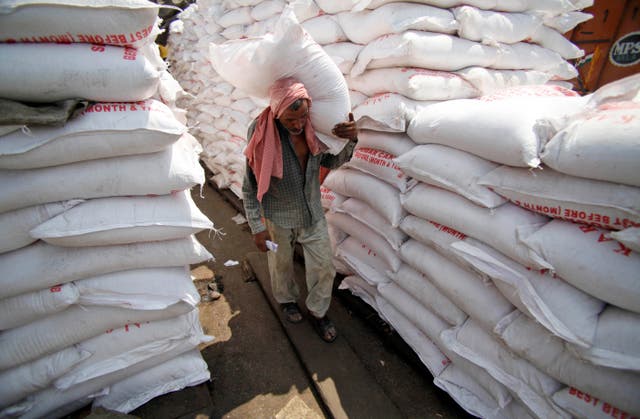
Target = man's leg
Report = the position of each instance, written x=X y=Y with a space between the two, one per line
x=320 y=273
x=283 y=285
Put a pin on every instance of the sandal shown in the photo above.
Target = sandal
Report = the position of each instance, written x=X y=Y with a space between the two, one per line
x=292 y=312
x=325 y=328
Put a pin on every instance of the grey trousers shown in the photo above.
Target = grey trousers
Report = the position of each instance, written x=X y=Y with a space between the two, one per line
x=318 y=260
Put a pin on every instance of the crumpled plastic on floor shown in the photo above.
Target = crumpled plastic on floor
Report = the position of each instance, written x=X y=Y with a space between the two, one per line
x=239 y=219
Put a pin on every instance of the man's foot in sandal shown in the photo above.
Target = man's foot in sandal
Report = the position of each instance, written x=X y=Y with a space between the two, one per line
x=292 y=312
x=325 y=328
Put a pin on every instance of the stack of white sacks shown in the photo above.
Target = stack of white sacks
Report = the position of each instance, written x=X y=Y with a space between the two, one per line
x=545 y=308
x=218 y=113
x=96 y=299
x=453 y=218
x=505 y=309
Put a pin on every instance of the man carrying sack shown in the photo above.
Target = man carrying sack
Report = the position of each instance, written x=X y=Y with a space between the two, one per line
x=282 y=185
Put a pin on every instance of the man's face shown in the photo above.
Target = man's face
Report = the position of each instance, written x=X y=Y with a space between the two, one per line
x=295 y=120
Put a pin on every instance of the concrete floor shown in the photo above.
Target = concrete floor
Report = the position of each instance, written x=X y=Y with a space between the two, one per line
x=262 y=367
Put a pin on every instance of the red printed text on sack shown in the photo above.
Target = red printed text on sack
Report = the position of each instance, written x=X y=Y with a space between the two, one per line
x=145 y=106
x=449 y=230
x=602 y=238
x=593 y=218
x=130 y=54
x=123 y=39
x=610 y=410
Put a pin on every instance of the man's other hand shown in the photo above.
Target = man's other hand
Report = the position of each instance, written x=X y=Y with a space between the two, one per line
x=260 y=239
x=348 y=130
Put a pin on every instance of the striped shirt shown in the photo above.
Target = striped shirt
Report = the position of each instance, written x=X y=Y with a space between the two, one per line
x=294 y=200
